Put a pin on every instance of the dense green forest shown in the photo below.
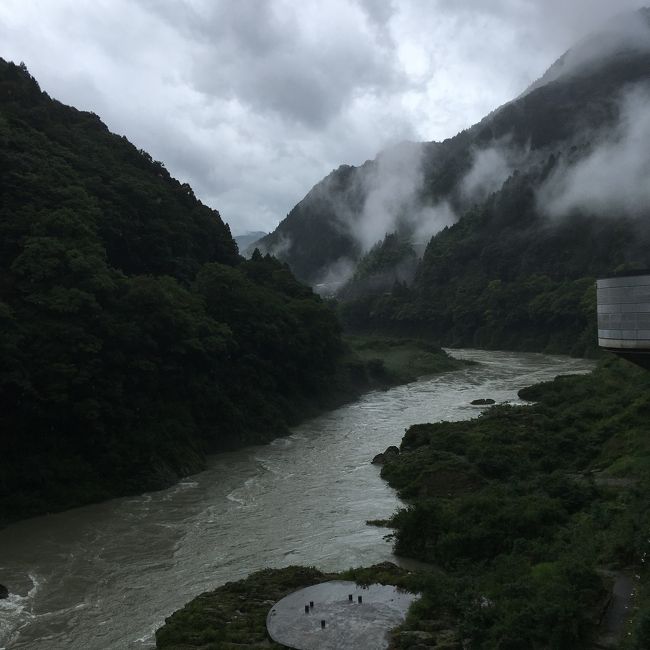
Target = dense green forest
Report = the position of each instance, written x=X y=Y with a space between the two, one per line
x=134 y=338
x=503 y=277
x=530 y=512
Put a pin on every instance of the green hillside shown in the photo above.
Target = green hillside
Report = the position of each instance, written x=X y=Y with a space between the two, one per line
x=134 y=339
x=532 y=512
x=505 y=274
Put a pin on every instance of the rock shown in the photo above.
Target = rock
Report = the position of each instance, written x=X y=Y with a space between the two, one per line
x=4 y=592
x=482 y=402
x=391 y=452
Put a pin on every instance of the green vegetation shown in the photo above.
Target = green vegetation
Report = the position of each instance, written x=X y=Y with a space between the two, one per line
x=391 y=253
x=524 y=509
x=399 y=361
x=503 y=278
x=133 y=338
x=525 y=516
x=234 y=615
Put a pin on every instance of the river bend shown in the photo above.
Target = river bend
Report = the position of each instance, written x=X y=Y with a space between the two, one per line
x=105 y=576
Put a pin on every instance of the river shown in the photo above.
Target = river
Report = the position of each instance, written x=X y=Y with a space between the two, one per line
x=105 y=576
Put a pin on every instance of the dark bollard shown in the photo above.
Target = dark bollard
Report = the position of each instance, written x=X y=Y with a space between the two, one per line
x=306 y=609
x=360 y=600
x=322 y=625
x=350 y=597
x=311 y=604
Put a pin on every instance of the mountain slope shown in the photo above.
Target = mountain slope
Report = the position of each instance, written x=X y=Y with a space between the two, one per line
x=133 y=338
x=503 y=204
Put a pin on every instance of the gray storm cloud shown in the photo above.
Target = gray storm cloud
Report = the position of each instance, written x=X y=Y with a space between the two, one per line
x=254 y=101
x=613 y=179
x=299 y=62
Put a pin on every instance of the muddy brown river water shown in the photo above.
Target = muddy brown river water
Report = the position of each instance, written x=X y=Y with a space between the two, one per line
x=106 y=576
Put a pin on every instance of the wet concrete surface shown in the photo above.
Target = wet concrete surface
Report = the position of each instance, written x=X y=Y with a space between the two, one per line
x=618 y=612
x=338 y=615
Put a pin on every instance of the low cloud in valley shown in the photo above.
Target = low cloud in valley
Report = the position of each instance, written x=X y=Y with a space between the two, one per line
x=612 y=179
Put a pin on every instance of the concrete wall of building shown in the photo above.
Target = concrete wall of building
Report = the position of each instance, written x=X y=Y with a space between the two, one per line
x=624 y=313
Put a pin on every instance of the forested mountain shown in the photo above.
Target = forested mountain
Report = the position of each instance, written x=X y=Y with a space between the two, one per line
x=133 y=337
x=526 y=208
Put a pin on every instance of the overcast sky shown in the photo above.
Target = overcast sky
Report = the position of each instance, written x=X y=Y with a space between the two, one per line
x=253 y=101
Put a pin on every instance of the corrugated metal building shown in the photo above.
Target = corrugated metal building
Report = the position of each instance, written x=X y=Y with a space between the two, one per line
x=624 y=316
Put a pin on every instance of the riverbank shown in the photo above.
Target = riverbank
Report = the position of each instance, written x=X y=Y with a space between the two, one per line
x=234 y=615
x=531 y=511
x=107 y=575
x=544 y=502
x=527 y=512
x=394 y=361
x=366 y=364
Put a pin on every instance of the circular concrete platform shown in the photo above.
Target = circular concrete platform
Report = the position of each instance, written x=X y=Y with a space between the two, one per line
x=296 y=621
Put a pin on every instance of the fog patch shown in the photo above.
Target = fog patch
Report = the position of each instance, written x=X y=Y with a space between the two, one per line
x=611 y=180
x=429 y=221
x=393 y=189
x=626 y=33
x=278 y=248
x=490 y=170
x=337 y=274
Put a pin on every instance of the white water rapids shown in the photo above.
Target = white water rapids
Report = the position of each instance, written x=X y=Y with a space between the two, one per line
x=106 y=576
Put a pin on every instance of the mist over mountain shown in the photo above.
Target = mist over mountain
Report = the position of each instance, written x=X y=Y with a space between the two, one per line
x=417 y=189
x=552 y=185
x=245 y=241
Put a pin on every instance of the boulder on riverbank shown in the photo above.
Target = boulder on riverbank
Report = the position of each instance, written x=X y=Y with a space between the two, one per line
x=391 y=452
x=482 y=402
x=4 y=592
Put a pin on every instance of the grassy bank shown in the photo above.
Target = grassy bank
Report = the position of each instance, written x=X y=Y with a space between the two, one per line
x=234 y=615
x=392 y=361
x=363 y=365
x=375 y=363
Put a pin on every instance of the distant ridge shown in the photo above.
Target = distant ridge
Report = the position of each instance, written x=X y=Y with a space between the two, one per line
x=559 y=111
